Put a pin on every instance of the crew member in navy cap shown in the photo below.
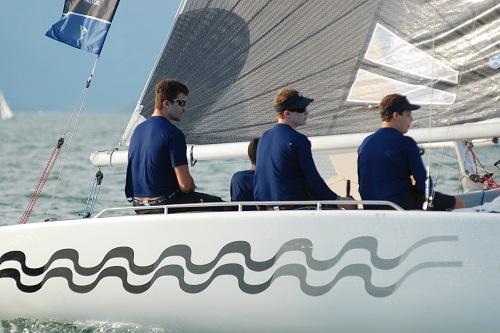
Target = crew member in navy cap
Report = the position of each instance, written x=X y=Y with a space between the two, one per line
x=285 y=168
x=389 y=163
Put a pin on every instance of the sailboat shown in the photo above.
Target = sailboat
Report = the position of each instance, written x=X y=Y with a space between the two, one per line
x=313 y=270
x=5 y=110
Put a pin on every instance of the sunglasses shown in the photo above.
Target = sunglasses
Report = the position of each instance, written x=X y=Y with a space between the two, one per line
x=181 y=102
x=298 y=110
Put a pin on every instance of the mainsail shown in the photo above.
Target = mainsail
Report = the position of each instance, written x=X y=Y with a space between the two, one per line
x=235 y=54
x=5 y=110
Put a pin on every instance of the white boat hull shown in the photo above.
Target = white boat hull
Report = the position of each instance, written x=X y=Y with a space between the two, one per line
x=293 y=271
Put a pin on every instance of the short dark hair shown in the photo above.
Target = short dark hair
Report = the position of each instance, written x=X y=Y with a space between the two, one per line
x=281 y=96
x=386 y=103
x=168 y=90
x=252 y=150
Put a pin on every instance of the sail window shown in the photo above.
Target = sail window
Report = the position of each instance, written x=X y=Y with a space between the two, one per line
x=389 y=50
x=362 y=90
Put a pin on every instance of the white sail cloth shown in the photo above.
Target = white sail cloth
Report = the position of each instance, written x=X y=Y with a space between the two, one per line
x=234 y=56
x=5 y=110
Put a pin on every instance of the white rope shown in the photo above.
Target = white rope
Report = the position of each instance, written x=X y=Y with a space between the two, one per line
x=452 y=108
x=429 y=195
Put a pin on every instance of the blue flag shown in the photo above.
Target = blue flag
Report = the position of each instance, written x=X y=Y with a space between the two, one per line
x=84 y=24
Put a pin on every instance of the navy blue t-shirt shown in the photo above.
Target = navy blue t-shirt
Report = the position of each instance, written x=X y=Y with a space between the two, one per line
x=242 y=186
x=386 y=159
x=285 y=168
x=156 y=147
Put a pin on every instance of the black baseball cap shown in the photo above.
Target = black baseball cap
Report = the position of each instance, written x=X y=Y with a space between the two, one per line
x=295 y=102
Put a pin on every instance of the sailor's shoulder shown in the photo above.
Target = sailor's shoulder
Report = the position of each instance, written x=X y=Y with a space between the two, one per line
x=409 y=140
x=173 y=131
x=242 y=174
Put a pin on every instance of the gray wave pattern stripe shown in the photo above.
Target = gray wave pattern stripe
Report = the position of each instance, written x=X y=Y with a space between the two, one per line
x=355 y=270
x=361 y=270
x=299 y=271
x=242 y=247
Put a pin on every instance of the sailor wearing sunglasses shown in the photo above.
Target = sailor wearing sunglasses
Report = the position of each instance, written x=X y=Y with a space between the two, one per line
x=157 y=170
x=285 y=167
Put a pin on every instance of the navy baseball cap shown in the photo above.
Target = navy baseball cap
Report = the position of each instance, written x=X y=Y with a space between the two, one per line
x=295 y=102
x=396 y=103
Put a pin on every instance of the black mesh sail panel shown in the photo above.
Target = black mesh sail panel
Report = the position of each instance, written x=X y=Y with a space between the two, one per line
x=235 y=54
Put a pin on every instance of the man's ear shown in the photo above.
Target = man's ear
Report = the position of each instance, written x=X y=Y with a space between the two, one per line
x=286 y=113
x=166 y=103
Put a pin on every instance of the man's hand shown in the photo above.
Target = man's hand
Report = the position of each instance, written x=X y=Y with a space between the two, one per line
x=347 y=206
x=459 y=203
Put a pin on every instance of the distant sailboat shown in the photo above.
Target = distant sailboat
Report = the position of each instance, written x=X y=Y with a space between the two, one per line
x=5 y=110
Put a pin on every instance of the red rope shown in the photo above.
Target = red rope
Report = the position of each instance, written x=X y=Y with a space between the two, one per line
x=43 y=180
x=487 y=180
x=490 y=183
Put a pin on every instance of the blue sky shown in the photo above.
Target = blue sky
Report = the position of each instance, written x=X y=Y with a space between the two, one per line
x=40 y=74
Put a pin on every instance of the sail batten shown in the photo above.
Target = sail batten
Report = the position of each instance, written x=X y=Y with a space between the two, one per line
x=234 y=55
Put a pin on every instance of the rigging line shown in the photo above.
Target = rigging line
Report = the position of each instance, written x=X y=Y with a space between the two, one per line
x=71 y=128
x=475 y=159
x=93 y=187
x=95 y=199
x=432 y=84
x=444 y=155
x=117 y=138
x=81 y=99
x=430 y=189
x=41 y=183
x=72 y=133
x=444 y=165
x=94 y=193
x=459 y=84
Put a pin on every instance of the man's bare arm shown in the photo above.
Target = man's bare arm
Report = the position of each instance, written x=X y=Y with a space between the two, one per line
x=186 y=182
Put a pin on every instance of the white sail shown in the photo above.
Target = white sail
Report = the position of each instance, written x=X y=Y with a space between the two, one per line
x=5 y=110
x=236 y=58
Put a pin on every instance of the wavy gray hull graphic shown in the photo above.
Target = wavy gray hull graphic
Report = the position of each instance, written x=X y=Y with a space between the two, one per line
x=299 y=271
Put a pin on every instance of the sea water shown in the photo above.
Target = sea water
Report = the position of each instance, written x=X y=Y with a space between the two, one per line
x=26 y=145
